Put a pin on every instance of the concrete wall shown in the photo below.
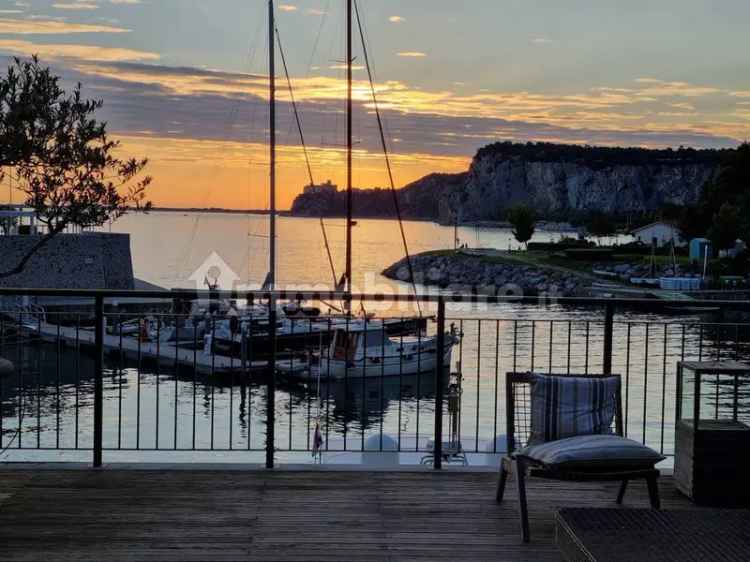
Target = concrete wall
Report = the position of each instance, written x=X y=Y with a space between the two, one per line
x=70 y=261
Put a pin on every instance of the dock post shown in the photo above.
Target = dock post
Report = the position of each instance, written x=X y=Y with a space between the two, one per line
x=439 y=368
x=98 y=380
x=271 y=386
x=609 y=318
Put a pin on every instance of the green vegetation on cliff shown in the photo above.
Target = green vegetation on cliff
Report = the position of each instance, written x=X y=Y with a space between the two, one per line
x=601 y=156
x=559 y=182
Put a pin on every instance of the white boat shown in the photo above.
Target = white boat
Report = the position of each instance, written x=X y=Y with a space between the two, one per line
x=368 y=352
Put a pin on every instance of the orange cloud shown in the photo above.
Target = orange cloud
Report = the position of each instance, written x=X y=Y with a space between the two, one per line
x=88 y=52
x=53 y=27
x=648 y=102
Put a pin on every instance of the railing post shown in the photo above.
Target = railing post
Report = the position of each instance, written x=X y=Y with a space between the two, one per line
x=98 y=380
x=271 y=387
x=609 y=318
x=439 y=368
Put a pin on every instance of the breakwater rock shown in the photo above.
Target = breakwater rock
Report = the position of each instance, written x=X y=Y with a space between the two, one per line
x=466 y=273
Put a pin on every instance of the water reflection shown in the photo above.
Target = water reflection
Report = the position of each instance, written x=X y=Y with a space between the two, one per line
x=153 y=407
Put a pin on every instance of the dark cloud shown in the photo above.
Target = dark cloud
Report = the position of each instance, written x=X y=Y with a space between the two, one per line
x=137 y=107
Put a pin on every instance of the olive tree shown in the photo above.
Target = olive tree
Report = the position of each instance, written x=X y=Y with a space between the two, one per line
x=64 y=161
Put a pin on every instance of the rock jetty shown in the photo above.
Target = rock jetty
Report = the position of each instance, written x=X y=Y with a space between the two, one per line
x=461 y=272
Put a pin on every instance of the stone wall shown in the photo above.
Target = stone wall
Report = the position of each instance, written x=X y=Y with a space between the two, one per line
x=70 y=261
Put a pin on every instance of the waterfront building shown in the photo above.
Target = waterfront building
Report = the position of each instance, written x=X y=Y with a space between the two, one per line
x=663 y=232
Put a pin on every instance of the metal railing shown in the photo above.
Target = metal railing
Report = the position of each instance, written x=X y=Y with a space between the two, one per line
x=133 y=393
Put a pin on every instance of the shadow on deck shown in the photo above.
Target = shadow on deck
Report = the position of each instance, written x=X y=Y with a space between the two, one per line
x=185 y=516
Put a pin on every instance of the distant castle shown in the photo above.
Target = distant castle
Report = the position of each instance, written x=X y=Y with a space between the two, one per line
x=316 y=189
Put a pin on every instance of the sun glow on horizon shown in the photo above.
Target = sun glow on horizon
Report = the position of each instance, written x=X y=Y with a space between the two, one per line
x=448 y=81
x=234 y=175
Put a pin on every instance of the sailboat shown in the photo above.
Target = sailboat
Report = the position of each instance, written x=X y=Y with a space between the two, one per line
x=368 y=353
x=298 y=327
x=365 y=351
x=363 y=347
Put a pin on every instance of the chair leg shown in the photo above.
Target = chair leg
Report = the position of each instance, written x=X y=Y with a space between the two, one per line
x=502 y=480
x=520 y=470
x=621 y=493
x=653 y=491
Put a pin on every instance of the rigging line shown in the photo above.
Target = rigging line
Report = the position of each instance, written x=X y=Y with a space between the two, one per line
x=328 y=251
x=233 y=114
x=373 y=67
x=294 y=107
x=255 y=106
x=317 y=38
x=304 y=148
x=387 y=157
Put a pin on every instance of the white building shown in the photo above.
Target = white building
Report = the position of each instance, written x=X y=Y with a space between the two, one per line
x=327 y=187
x=17 y=219
x=663 y=232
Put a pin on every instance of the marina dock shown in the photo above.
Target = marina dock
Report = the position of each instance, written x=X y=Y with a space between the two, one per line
x=165 y=353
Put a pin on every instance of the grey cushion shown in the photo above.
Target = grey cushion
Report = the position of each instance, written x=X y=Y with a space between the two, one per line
x=593 y=452
x=568 y=406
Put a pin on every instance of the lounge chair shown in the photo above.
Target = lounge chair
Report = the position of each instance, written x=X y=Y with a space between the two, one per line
x=569 y=427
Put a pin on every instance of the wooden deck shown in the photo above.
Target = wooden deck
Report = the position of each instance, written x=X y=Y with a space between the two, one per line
x=186 y=516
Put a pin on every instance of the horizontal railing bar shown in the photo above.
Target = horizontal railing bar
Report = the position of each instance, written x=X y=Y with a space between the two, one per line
x=582 y=319
x=234 y=450
x=369 y=297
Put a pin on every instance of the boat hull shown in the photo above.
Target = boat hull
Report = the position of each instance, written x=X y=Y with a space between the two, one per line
x=371 y=367
x=260 y=344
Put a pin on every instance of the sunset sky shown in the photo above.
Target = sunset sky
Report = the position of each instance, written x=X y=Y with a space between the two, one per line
x=184 y=81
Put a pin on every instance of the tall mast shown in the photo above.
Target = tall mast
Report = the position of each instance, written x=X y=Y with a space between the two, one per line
x=272 y=127
x=348 y=149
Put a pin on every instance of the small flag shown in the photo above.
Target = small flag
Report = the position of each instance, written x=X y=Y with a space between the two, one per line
x=317 y=440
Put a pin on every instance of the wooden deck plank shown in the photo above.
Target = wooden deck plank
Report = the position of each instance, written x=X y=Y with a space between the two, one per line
x=186 y=516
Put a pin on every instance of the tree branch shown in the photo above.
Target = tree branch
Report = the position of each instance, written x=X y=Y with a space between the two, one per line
x=30 y=253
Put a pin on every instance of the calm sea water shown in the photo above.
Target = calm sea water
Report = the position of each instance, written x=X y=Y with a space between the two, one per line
x=190 y=417
x=169 y=247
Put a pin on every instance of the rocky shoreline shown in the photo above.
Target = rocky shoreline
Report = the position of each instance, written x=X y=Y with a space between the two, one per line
x=462 y=272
